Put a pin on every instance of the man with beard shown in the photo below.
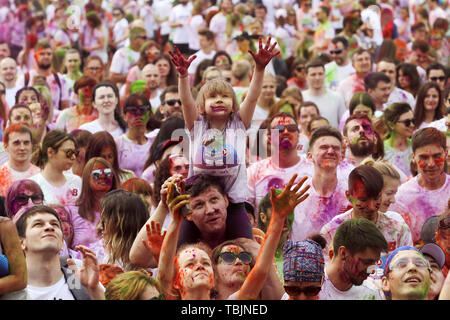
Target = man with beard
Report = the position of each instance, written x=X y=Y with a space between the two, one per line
x=427 y=193
x=57 y=85
x=327 y=195
x=362 y=62
x=357 y=245
x=150 y=74
x=8 y=75
x=284 y=162
x=170 y=102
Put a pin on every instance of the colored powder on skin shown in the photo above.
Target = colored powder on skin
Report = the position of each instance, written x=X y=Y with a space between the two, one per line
x=285 y=144
x=421 y=163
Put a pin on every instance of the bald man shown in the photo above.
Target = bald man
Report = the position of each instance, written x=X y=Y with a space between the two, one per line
x=150 y=74
x=8 y=75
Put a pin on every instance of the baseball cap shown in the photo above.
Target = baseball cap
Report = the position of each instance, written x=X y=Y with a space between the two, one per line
x=434 y=251
x=429 y=229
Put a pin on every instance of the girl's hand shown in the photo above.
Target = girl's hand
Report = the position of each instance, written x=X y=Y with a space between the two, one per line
x=286 y=201
x=181 y=64
x=264 y=55
x=154 y=239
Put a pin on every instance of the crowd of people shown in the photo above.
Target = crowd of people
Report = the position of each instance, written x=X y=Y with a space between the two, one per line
x=227 y=150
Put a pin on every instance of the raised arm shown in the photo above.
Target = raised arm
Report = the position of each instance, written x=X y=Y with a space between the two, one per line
x=9 y=239
x=282 y=205
x=262 y=58
x=190 y=112
x=169 y=246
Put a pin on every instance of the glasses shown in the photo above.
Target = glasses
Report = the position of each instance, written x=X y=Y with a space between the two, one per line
x=289 y=127
x=23 y=199
x=300 y=69
x=134 y=110
x=230 y=257
x=402 y=263
x=407 y=122
x=96 y=174
x=339 y=51
x=71 y=152
x=172 y=102
x=434 y=79
x=141 y=37
x=308 y=291
x=94 y=68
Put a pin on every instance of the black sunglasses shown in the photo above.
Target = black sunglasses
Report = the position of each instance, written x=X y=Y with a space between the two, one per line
x=407 y=122
x=142 y=37
x=300 y=69
x=289 y=127
x=172 y=102
x=134 y=109
x=230 y=257
x=339 y=51
x=308 y=291
x=23 y=198
x=434 y=79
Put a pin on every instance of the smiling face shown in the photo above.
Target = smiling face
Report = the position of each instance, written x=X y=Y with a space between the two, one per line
x=388 y=193
x=105 y=100
x=194 y=270
x=407 y=281
x=151 y=75
x=430 y=161
x=381 y=92
x=388 y=69
x=72 y=62
x=101 y=178
x=8 y=69
x=326 y=152
x=431 y=101
x=362 y=62
x=234 y=273
x=209 y=211
x=437 y=278
x=287 y=140
x=218 y=104
x=28 y=97
x=43 y=234
x=338 y=53
x=400 y=127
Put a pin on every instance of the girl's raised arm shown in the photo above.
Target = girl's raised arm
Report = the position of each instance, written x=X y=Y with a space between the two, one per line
x=262 y=58
x=190 y=112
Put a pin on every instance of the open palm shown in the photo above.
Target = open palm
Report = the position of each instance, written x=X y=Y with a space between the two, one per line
x=265 y=53
x=288 y=199
x=181 y=64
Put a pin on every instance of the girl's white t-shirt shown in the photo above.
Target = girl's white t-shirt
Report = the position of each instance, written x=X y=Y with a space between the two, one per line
x=65 y=195
x=94 y=127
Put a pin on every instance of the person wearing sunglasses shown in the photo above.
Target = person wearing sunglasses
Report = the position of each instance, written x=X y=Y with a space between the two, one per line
x=426 y=194
x=170 y=102
x=406 y=275
x=303 y=268
x=99 y=178
x=22 y=193
x=298 y=74
x=18 y=143
x=399 y=120
x=55 y=156
x=133 y=147
x=341 y=67
x=436 y=73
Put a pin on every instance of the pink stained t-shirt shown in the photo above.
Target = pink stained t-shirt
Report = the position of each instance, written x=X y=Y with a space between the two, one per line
x=416 y=204
x=84 y=231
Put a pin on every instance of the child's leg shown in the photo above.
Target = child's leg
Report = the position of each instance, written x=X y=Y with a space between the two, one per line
x=238 y=223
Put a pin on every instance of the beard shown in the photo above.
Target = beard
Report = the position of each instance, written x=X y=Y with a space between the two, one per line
x=362 y=150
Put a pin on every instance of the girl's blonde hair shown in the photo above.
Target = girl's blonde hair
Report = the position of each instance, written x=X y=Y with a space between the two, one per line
x=383 y=167
x=213 y=87
x=130 y=285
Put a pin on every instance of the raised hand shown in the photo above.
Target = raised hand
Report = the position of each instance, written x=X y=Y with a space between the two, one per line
x=154 y=239
x=181 y=64
x=176 y=202
x=89 y=273
x=265 y=54
x=288 y=199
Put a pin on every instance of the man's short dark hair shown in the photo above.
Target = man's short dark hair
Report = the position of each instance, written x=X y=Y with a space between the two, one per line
x=324 y=131
x=427 y=136
x=325 y=9
x=316 y=118
x=372 y=79
x=171 y=89
x=18 y=106
x=199 y=183
x=342 y=40
x=21 y=224
x=417 y=26
x=206 y=33
x=355 y=116
x=316 y=62
x=359 y=52
x=436 y=66
x=281 y=114
x=356 y=235
x=370 y=177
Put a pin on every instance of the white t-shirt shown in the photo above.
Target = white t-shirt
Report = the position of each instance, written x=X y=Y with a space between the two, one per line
x=218 y=25
x=331 y=105
x=366 y=291
x=194 y=23
x=120 y=27
x=65 y=195
x=155 y=102
x=132 y=156
x=123 y=60
x=200 y=57
x=400 y=95
x=439 y=124
x=94 y=127
x=181 y=14
x=10 y=95
x=58 y=291
x=334 y=74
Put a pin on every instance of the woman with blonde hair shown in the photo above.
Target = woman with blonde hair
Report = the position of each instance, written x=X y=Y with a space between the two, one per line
x=134 y=285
